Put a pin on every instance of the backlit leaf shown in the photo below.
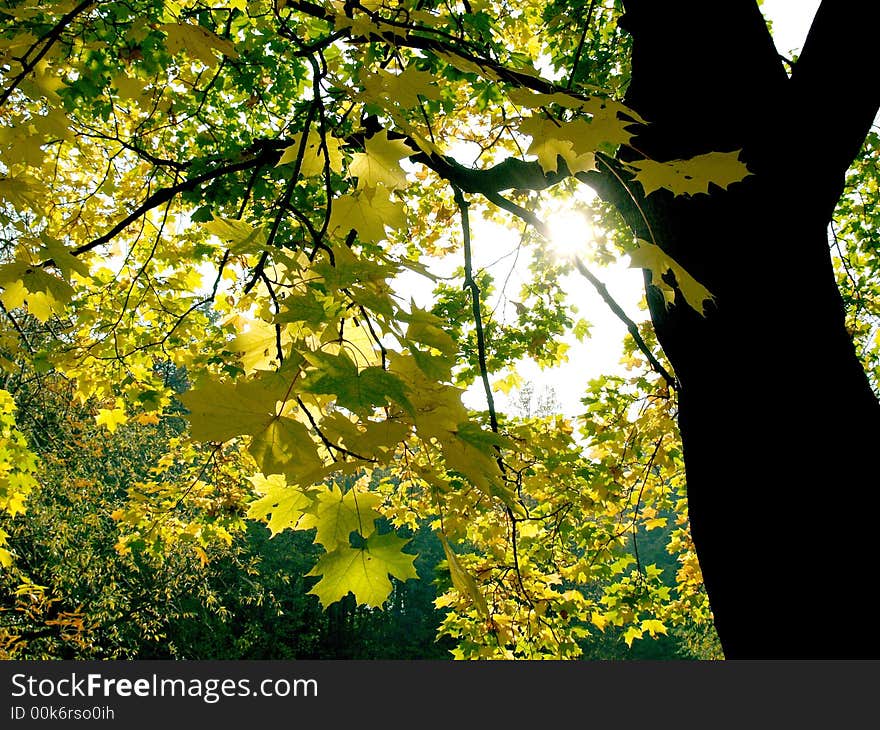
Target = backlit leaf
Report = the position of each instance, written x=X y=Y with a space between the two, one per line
x=363 y=571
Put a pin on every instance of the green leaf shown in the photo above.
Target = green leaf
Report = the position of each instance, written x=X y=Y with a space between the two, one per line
x=462 y=580
x=363 y=571
x=360 y=392
x=303 y=308
x=219 y=411
x=284 y=446
x=281 y=506
x=336 y=515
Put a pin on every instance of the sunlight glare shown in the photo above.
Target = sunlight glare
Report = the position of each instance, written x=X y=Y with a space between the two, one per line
x=570 y=233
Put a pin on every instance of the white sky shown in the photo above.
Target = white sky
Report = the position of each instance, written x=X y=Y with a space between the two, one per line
x=601 y=353
x=791 y=21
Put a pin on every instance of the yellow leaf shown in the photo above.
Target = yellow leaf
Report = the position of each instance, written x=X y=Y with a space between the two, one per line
x=337 y=515
x=285 y=503
x=43 y=305
x=219 y=411
x=20 y=190
x=111 y=417
x=314 y=155
x=241 y=236
x=258 y=345
x=378 y=164
x=128 y=87
x=14 y=294
x=651 y=257
x=368 y=212
x=691 y=176
x=462 y=580
x=631 y=633
x=467 y=66
x=363 y=571
x=198 y=42
x=552 y=139
x=653 y=627
x=404 y=88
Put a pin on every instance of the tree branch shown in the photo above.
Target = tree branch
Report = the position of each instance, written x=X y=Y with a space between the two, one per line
x=48 y=41
x=600 y=288
x=840 y=55
x=269 y=153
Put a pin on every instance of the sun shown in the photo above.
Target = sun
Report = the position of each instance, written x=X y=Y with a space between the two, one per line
x=570 y=233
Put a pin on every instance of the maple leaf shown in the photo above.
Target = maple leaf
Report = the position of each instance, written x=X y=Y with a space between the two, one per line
x=367 y=212
x=598 y=106
x=241 y=236
x=426 y=328
x=23 y=145
x=35 y=279
x=358 y=391
x=552 y=139
x=372 y=439
x=219 y=411
x=64 y=261
x=336 y=515
x=653 y=626
x=197 y=41
x=286 y=504
x=128 y=87
x=43 y=82
x=691 y=176
x=404 y=88
x=306 y=308
x=313 y=155
x=21 y=190
x=467 y=66
x=378 y=164
x=112 y=418
x=651 y=257
x=285 y=446
x=462 y=580
x=633 y=632
x=43 y=305
x=258 y=346
x=363 y=571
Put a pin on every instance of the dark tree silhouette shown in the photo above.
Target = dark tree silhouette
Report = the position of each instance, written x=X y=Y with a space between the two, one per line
x=779 y=423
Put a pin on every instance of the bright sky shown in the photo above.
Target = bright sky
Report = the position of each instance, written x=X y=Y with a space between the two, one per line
x=791 y=21
x=601 y=353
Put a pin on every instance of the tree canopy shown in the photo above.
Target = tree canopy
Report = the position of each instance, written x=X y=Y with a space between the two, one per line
x=212 y=217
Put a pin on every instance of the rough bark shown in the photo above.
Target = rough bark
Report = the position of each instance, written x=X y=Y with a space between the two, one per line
x=779 y=424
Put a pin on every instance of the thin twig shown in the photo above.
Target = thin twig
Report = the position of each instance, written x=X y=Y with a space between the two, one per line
x=580 y=48
x=50 y=38
x=471 y=284
x=600 y=288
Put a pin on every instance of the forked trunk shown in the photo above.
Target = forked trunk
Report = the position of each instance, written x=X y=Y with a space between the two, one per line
x=780 y=428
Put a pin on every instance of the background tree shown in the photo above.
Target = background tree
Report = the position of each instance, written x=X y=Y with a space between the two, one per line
x=238 y=189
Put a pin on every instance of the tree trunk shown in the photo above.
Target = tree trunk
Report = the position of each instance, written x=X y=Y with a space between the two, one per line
x=778 y=421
